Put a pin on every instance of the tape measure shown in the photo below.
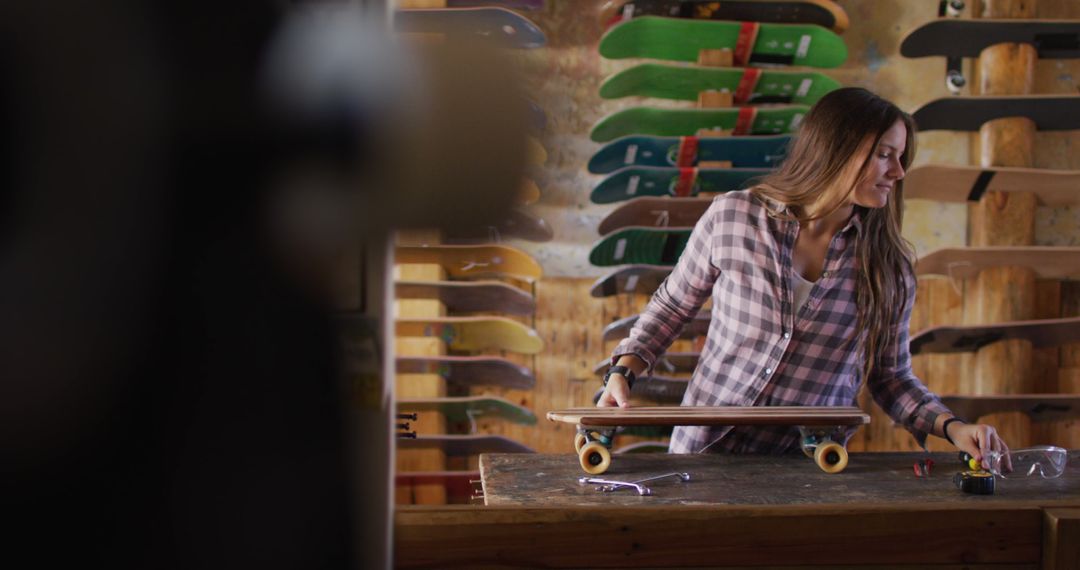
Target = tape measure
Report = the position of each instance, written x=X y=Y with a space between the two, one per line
x=975 y=482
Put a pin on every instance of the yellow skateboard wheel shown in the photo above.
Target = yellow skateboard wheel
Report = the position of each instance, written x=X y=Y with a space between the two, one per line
x=579 y=442
x=594 y=458
x=831 y=457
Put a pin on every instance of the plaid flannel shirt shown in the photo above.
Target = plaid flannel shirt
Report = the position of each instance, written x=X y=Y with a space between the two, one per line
x=760 y=351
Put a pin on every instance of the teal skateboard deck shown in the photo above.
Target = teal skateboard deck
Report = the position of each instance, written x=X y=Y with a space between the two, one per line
x=634 y=181
x=754 y=44
x=458 y=445
x=503 y=27
x=642 y=279
x=698 y=326
x=824 y=13
x=741 y=152
x=469 y=370
x=749 y=86
x=637 y=245
x=465 y=409
x=685 y=122
x=655 y=212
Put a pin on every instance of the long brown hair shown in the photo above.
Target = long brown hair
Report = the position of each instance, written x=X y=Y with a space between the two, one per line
x=843 y=127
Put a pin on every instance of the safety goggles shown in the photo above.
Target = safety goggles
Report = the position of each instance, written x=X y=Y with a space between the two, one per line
x=1045 y=460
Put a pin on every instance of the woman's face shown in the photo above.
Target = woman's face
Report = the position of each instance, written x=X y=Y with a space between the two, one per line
x=883 y=170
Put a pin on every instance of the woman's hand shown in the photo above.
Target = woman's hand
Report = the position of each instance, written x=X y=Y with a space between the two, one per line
x=978 y=440
x=617 y=393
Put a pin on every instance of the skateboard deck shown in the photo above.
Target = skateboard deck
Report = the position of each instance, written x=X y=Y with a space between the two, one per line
x=473 y=261
x=458 y=445
x=638 y=245
x=824 y=13
x=685 y=122
x=750 y=85
x=659 y=389
x=698 y=326
x=517 y=223
x=741 y=152
x=655 y=212
x=1041 y=333
x=465 y=409
x=964 y=262
x=474 y=333
x=469 y=296
x=822 y=429
x=668 y=362
x=1039 y=407
x=678 y=39
x=643 y=279
x=505 y=28
x=1049 y=112
x=969 y=183
x=470 y=370
x=461 y=486
x=633 y=181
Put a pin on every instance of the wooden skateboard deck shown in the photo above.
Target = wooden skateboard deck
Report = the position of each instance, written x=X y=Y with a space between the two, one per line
x=464 y=409
x=633 y=181
x=470 y=370
x=824 y=13
x=681 y=40
x=1039 y=407
x=474 y=333
x=750 y=85
x=659 y=389
x=655 y=212
x=969 y=183
x=1049 y=112
x=517 y=223
x=741 y=152
x=685 y=122
x=469 y=296
x=505 y=28
x=698 y=326
x=667 y=362
x=643 y=279
x=473 y=261
x=458 y=445
x=1047 y=332
x=964 y=262
x=638 y=245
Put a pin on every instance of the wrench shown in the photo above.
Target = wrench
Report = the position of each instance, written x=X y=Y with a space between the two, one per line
x=682 y=477
x=607 y=484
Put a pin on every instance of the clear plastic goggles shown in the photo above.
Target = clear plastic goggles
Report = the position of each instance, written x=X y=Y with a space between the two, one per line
x=1045 y=460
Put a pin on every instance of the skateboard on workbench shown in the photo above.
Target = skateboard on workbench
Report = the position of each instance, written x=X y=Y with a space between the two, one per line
x=1048 y=112
x=948 y=183
x=1039 y=407
x=505 y=28
x=677 y=39
x=473 y=333
x=1047 y=262
x=473 y=261
x=824 y=13
x=464 y=410
x=738 y=152
x=749 y=85
x=655 y=212
x=640 y=245
x=959 y=39
x=822 y=429
x=633 y=181
x=469 y=370
x=517 y=223
x=469 y=296
x=685 y=122
x=1041 y=333
x=696 y=327
x=642 y=279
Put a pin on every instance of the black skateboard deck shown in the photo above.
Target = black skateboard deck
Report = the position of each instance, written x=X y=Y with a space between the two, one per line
x=1041 y=333
x=1049 y=112
x=517 y=223
x=469 y=296
x=470 y=370
x=642 y=279
x=659 y=389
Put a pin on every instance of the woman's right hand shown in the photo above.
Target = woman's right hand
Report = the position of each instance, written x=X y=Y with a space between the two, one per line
x=617 y=393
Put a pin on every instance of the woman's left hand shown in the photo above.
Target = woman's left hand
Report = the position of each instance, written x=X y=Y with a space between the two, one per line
x=978 y=440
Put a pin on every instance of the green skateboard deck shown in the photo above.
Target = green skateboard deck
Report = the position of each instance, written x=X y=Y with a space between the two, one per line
x=466 y=409
x=698 y=326
x=685 y=122
x=824 y=13
x=469 y=370
x=642 y=279
x=637 y=245
x=1041 y=333
x=469 y=296
x=681 y=40
x=655 y=212
x=749 y=85
x=634 y=181
x=948 y=183
x=474 y=333
x=741 y=152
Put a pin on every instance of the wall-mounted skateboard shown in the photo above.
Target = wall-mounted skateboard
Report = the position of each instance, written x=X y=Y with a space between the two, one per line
x=505 y=28
x=741 y=152
x=1039 y=407
x=517 y=223
x=969 y=183
x=659 y=389
x=964 y=262
x=473 y=261
x=958 y=39
x=698 y=326
x=466 y=409
x=474 y=333
x=469 y=296
x=643 y=279
x=458 y=445
x=822 y=429
x=639 y=245
x=633 y=181
x=749 y=85
x=1049 y=112
x=469 y=370
x=678 y=39
x=1046 y=332
x=686 y=122
x=655 y=212
x=823 y=13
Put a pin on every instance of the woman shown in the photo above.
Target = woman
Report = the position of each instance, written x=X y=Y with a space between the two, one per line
x=812 y=288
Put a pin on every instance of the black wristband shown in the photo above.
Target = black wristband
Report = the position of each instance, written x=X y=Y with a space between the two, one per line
x=945 y=428
x=624 y=371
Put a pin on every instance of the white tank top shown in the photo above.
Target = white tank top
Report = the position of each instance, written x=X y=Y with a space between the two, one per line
x=802 y=289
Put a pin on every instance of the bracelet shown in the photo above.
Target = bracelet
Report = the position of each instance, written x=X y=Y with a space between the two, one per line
x=624 y=371
x=945 y=428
